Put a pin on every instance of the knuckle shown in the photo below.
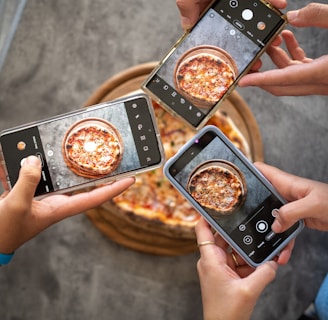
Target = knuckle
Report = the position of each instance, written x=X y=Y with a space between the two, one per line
x=180 y=3
x=31 y=174
x=312 y=11
x=200 y=266
x=246 y=292
x=316 y=200
x=313 y=7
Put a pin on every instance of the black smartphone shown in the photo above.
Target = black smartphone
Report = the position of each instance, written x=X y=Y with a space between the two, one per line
x=205 y=64
x=231 y=194
x=87 y=147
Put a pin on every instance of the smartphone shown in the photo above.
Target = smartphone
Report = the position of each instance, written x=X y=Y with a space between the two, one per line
x=87 y=147
x=231 y=194
x=205 y=64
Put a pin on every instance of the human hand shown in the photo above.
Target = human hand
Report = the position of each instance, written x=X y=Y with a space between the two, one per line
x=190 y=10
x=22 y=217
x=307 y=199
x=296 y=74
x=228 y=291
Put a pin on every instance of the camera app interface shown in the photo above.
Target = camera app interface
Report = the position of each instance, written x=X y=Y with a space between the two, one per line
x=231 y=194
x=101 y=142
x=212 y=56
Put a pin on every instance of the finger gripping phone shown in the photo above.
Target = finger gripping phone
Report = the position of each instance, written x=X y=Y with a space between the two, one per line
x=87 y=147
x=205 y=64
x=231 y=194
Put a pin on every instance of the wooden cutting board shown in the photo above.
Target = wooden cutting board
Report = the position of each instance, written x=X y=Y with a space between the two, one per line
x=150 y=238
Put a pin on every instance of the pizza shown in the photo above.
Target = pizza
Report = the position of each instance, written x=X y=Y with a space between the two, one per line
x=217 y=185
x=204 y=78
x=152 y=199
x=231 y=131
x=92 y=148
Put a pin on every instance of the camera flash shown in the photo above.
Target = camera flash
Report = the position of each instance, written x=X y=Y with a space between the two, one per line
x=261 y=25
x=21 y=145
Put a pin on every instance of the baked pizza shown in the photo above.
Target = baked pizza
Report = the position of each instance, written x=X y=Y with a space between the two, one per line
x=204 y=78
x=218 y=185
x=152 y=198
x=92 y=148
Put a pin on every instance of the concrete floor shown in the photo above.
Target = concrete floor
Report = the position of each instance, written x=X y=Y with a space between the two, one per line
x=62 y=51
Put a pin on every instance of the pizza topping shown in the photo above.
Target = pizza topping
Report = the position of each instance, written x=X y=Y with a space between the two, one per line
x=93 y=149
x=205 y=77
x=217 y=187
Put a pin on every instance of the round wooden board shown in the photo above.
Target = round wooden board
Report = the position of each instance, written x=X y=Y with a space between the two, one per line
x=128 y=233
x=134 y=237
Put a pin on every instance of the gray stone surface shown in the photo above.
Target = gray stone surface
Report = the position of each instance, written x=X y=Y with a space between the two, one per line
x=62 y=51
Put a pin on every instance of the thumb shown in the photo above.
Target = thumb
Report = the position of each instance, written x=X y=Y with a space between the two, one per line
x=261 y=277
x=29 y=177
x=189 y=12
x=312 y=15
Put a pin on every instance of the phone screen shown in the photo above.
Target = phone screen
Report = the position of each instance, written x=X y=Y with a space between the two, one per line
x=101 y=141
x=199 y=72
x=235 y=199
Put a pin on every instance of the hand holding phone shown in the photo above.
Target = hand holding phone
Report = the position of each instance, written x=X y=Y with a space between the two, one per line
x=205 y=65
x=26 y=217
x=231 y=194
x=87 y=147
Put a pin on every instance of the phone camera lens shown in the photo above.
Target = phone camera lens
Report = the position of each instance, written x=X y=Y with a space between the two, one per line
x=233 y=3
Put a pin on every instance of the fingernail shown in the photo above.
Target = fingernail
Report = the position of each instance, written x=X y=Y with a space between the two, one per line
x=292 y=15
x=31 y=161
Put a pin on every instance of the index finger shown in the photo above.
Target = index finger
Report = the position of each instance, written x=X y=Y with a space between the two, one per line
x=189 y=12
x=207 y=242
x=203 y=232
x=279 y=4
x=288 y=185
x=312 y=15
